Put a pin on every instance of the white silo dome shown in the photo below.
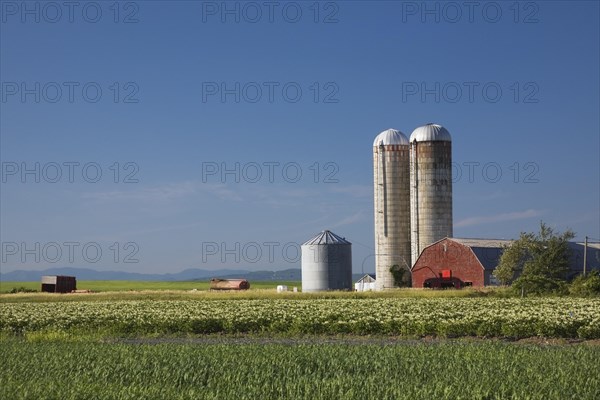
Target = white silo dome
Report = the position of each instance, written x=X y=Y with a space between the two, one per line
x=430 y=133
x=390 y=137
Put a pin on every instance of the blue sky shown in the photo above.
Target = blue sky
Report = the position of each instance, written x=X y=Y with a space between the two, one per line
x=161 y=97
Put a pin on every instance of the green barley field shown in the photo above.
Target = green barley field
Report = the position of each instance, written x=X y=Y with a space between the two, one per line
x=304 y=370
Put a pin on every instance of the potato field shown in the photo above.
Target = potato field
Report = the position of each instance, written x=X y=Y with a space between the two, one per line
x=446 y=317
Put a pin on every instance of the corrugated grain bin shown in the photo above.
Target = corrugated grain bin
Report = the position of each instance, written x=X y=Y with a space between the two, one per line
x=229 y=284
x=326 y=263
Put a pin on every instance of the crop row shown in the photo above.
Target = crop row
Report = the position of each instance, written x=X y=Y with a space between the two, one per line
x=451 y=317
x=450 y=370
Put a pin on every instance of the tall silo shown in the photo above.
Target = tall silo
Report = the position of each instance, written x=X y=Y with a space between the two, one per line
x=430 y=186
x=326 y=263
x=392 y=205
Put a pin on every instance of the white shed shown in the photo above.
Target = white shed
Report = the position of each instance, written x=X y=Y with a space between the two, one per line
x=365 y=284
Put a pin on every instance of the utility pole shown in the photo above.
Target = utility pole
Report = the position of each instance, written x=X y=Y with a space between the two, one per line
x=585 y=256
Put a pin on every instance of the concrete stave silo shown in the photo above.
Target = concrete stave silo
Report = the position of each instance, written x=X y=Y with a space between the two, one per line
x=326 y=263
x=430 y=186
x=392 y=205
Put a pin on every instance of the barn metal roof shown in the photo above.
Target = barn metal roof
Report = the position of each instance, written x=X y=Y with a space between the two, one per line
x=590 y=245
x=488 y=251
x=430 y=133
x=389 y=137
x=326 y=237
x=505 y=242
x=482 y=242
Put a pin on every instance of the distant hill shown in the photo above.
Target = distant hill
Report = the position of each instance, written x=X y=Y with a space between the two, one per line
x=293 y=274
x=191 y=274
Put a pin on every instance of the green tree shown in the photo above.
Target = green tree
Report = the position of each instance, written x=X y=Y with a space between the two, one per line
x=402 y=277
x=536 y=262
x=588 y=285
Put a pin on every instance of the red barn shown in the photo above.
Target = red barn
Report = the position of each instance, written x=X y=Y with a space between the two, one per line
x=453 y=262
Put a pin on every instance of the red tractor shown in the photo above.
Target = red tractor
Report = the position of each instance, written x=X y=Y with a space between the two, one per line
x=445 y=281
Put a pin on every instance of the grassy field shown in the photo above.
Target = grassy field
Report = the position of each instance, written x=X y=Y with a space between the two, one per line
x=137 y=290
x=327 y=370
x=118 y=286
x=268 y=293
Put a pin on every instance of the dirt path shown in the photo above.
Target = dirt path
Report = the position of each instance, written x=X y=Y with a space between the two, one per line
x=344 y=340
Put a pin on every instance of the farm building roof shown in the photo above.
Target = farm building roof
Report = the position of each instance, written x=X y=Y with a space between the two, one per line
x=488 y=251
x=483 y=242
x=367 y=278
x=326 y=237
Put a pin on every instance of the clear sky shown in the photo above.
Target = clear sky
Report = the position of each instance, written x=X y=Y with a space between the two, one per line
x=227 y=133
